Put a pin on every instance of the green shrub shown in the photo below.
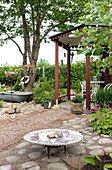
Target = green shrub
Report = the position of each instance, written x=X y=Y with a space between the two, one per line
x=101 y=119
x=17 y=85
x=78 y=99
x=45 y=90
x=104 y=96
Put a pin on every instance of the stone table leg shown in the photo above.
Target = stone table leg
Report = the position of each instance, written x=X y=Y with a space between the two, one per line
x=48 y=151
x=65 y=148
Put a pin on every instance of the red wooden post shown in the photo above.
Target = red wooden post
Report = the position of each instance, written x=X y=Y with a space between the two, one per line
x=56 y=72
x=68 y=74
x=87 y=82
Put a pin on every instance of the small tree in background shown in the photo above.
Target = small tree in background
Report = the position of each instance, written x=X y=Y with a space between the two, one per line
x=43 y=62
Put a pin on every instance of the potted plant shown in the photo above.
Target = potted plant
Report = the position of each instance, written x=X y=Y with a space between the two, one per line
x=77 y=104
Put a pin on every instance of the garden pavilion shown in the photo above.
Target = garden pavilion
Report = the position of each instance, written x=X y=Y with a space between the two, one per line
x=69 y=43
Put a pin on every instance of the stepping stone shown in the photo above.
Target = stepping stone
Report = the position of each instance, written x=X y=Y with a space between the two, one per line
x=35 y=155
x=96 y=138
x=95 y=147
x=5 y=167
x=77 y=126
x=105 y=141
x=51 y=159
x=28 y=164
x=90 y=142
x=34 y=168
x=108 y=150
x=56 y=166
x=4 y=153
x=87 y=136
x=22 y=151
x=73 y=162
x=84 y=131
x=12 y=159
x=97 y=152
x=36 y=147
x=72 y=120
x=76 y=150
x=83 y=144
x=23 y=144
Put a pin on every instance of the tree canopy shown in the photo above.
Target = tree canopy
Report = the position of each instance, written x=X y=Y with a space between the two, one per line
x=29 y=18
x=33 y=20
x=100 y=37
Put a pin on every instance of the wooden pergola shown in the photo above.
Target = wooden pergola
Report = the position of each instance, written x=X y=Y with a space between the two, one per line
x=69 y=43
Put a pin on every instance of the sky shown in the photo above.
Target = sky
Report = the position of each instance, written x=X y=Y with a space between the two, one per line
x=10 y=55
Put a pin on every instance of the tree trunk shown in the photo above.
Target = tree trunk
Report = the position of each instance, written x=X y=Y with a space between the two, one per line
x=32 y=70
x=32 y=76
x=24 y=63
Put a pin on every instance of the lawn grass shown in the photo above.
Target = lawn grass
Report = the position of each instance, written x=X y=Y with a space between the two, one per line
x=2 y=90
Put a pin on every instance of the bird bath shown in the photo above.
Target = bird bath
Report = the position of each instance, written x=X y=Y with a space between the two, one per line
x=15 y=96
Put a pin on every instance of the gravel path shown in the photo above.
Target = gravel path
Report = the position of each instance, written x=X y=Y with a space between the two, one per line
x=20 y=154
x=23 y=155
x=24 y=125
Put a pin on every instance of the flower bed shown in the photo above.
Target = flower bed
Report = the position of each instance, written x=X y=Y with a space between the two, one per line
x=101 y=119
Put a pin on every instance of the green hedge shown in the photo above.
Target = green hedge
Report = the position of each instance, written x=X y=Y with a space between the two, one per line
x=78 y=73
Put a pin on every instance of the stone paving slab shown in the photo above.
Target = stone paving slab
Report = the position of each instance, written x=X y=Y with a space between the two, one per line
x=24 y=155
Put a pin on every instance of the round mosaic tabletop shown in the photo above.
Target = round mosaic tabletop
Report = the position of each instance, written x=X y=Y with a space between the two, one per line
x=53 y=137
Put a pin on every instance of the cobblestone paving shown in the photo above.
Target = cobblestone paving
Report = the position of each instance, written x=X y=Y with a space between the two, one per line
x=23 y=155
